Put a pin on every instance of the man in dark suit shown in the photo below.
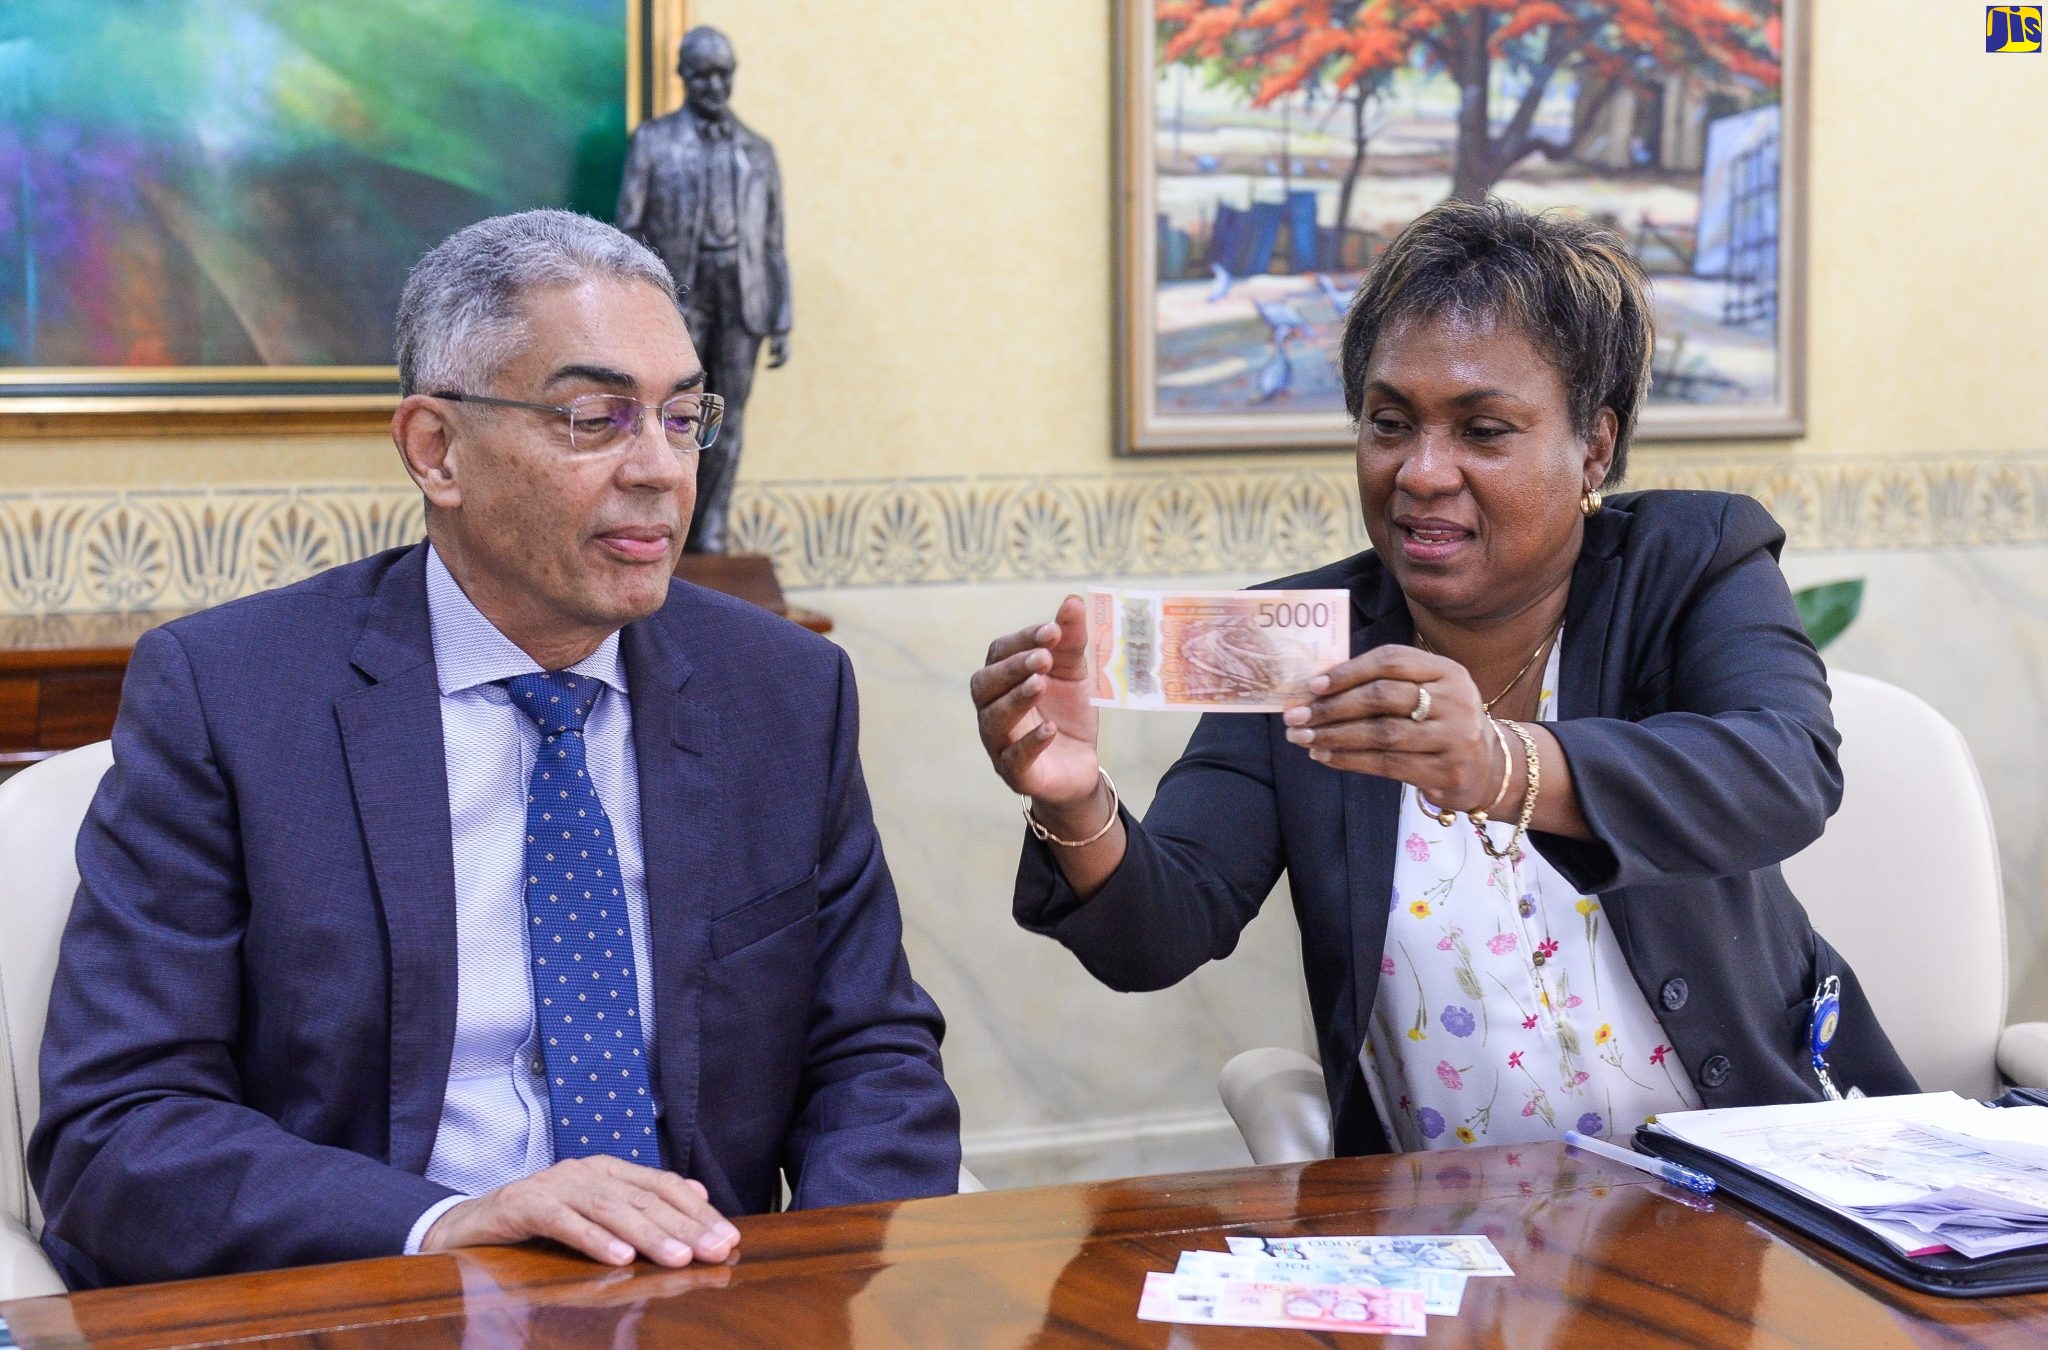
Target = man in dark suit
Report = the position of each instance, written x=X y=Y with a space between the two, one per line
x=702 y=190
x=333 y=986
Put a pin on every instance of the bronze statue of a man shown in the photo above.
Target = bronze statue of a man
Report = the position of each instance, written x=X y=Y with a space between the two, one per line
x=703 y=191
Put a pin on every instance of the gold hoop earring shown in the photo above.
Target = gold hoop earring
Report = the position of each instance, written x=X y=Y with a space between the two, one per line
x=1589 y=505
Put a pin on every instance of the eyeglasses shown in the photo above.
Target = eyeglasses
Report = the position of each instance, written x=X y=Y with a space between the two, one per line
x=599 y=423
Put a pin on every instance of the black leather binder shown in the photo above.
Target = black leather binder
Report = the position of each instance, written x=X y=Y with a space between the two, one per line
x=1944 y=1273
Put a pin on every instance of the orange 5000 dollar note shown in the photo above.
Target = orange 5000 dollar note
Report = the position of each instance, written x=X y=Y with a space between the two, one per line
x=1213 y=651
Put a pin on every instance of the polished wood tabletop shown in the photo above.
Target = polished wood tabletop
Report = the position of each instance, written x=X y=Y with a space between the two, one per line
x=1603 y=1256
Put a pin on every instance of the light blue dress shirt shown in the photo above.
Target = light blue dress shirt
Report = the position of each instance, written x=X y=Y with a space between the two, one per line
x=494 y=1121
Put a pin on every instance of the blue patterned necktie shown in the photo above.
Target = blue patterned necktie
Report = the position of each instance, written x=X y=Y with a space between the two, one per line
x=582 y=939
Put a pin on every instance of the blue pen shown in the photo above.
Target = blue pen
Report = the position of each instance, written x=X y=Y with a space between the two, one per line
x=1661 y=1168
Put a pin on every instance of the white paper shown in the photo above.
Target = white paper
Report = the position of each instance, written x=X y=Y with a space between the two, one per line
x=1920 y=1171
x=1465 y=1253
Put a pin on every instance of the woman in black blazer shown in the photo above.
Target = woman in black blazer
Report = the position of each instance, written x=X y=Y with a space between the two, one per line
x=1495 y=362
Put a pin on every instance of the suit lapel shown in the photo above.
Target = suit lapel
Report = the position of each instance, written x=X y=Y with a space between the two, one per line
x=694 y=172
x=391 y=737
x=1372 y=806
x=1588 y=649
x=682 y=825
x=1588 y=614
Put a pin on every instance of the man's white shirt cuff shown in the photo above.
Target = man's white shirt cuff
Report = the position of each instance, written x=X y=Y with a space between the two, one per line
x=426 y=1221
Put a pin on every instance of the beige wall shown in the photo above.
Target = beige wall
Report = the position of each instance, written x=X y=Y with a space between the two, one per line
x=948 y=169
x=955 y=230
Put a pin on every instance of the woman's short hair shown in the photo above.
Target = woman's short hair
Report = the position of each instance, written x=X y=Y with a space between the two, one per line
x=1570 y=286
x=460 y=318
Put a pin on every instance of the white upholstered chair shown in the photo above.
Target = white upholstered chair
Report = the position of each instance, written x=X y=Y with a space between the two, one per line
x=1904 y=883
x=40 y=811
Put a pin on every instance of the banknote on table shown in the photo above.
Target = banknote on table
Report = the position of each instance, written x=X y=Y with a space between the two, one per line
x=1466 y=1253
x=1443 y=1291
x=1213 y=651
x=1277 y=1303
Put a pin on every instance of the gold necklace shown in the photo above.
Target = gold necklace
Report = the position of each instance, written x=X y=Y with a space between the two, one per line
x=1486 y=708
x=1449 y=818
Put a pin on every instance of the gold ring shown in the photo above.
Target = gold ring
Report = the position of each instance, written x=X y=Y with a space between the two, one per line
x=1420 y=713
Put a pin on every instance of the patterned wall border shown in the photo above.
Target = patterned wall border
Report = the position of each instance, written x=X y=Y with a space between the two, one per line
x=112 y=549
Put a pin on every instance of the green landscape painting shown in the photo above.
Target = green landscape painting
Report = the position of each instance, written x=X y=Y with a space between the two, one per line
x=244 y=183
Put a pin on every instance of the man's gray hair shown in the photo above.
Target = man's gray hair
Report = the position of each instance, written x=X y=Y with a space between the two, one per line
x=459 y=317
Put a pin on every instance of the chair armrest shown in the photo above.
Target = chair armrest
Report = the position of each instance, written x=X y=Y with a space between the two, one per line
x=2023 y=1054
x=24 y=1271
x=1278 y=1100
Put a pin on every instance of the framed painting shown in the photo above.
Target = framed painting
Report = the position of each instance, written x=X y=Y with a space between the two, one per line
x=1268 y=150
x=209 y=206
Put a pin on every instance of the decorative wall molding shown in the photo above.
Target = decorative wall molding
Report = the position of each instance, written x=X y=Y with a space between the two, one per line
x=133 y=549
x=112 y=549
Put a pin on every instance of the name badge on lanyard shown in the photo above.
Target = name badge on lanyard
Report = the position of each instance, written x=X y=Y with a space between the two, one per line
x=1820 y=1034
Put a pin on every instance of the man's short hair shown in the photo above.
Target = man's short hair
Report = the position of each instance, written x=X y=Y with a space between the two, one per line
x=704 y=46
x=1568 y=285
x=460 y=319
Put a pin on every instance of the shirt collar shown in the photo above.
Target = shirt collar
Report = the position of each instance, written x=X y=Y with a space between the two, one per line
x=715 y=128
x=469 y=651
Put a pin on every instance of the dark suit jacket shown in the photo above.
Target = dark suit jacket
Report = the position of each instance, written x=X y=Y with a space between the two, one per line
x=254 y=1008
x=661 y=203
x=1694 y=713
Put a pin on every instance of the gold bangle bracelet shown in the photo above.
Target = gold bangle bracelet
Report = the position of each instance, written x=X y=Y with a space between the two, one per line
x=1507 y=774
x=1039 y=831
x=1533 y=767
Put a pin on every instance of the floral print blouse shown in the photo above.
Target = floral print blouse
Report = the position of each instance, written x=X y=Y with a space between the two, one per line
x=1506 y=1012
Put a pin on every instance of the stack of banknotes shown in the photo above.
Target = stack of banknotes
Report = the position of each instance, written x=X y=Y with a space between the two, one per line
x=1388 y=1284
x=1213 y=651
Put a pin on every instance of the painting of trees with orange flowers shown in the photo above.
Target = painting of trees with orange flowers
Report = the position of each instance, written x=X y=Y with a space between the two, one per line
x=1272 y=148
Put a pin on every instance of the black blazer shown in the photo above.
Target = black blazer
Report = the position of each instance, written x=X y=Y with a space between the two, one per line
x=1694 y=713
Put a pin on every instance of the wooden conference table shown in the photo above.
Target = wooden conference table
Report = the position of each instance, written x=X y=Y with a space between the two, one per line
x=1603 y=1257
